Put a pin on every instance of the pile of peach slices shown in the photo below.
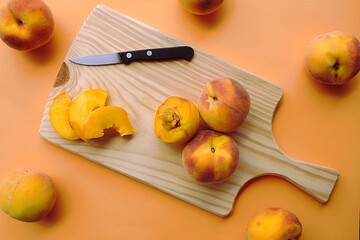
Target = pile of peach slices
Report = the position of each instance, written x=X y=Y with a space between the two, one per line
x=209 y=156
x=86 y=117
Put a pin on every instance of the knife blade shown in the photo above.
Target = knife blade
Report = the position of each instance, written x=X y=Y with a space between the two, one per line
x=157 y=54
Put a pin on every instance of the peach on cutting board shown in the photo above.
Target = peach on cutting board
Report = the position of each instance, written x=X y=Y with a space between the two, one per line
x=176 y=120
x=27 y=195
x=224 y=104
x=59 y=116
x=107 y=117
x=86 y=102
x=274 y=224
x=210 y=157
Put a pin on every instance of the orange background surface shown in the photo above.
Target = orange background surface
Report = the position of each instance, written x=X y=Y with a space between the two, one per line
x=313 y=123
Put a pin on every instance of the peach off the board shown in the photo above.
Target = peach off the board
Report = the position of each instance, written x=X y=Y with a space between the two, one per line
x=27 y=195
x=26 y=25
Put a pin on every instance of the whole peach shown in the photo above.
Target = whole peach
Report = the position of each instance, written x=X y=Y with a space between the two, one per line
x=274 y=224
x=224 y=104
x=27 y=195
x=201 y=7
x=26 y=24
x=210 y=157
x=333 y=58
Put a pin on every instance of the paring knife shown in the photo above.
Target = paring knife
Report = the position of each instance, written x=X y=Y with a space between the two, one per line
x=168 y=53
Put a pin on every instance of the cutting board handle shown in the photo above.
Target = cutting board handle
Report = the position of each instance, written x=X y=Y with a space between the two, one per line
x=317 y=181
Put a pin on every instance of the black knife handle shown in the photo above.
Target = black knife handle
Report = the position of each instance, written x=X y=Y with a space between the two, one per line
x=183 y=52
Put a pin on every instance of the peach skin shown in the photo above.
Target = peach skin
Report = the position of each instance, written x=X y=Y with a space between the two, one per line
x=201 y=7
x=224 y=104
x=333 y=58
x=27 y=195
x=26 y=25
x=210 y=157
x=274 y=224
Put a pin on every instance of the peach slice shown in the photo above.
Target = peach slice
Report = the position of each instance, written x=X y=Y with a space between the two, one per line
x=83 y=105
x=59 y=116
x=210 y=157
x=274 y=223
x=105 y=118
x=177 y=120
x=27 y=195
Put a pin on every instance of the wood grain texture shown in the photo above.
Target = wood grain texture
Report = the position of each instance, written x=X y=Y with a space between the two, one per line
x=141 y=87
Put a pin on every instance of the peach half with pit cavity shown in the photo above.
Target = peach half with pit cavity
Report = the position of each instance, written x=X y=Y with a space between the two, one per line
x=177 y=120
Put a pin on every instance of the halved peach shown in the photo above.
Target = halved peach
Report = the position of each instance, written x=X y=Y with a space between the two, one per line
x=177 y=120
x=108 y=117
x=82 y=105
x=59 y=116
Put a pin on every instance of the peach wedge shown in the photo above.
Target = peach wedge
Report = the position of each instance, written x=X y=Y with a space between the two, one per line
x=59 y=116
x=83 y=105
x=108 y=117
x=177 y=120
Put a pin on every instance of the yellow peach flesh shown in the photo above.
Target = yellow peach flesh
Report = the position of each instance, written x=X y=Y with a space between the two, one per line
x=177 y=120
x=59 y=116
x=105 y=118
x=83 y=105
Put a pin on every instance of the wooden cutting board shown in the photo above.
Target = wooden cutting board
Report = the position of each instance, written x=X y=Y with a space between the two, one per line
x=141 y=87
